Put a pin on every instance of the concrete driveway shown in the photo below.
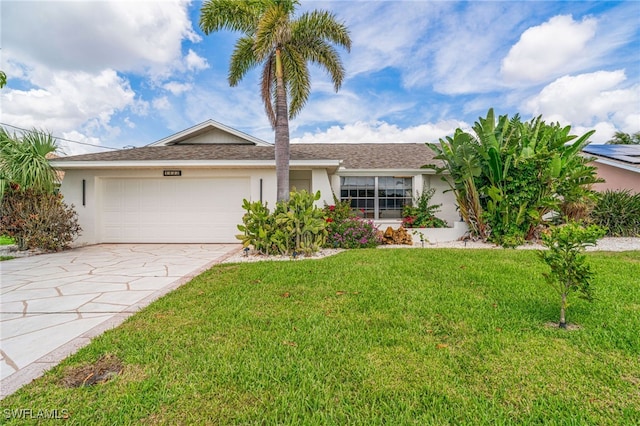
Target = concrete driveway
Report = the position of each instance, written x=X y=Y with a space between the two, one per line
x=53 y=304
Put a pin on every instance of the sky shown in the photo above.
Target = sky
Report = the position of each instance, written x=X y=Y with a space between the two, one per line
x=128 y=73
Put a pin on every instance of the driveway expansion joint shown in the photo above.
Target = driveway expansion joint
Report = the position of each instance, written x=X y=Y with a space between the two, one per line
x=117 y=280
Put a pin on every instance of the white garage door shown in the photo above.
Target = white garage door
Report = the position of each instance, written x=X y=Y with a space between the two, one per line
x=172 y=210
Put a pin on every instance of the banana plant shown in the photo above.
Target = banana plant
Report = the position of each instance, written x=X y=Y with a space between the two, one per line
x=507 y=175
x=462 y=166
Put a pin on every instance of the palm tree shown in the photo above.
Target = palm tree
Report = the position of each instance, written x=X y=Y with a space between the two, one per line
x=622 y=138
x=283 y=44
x=23 y=161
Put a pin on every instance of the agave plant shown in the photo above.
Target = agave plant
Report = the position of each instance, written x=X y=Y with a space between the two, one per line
x=462 y=166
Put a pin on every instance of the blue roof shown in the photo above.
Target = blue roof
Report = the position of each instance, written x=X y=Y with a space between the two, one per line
x=625 y=153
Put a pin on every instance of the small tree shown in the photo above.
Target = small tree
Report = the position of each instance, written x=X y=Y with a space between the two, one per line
x=565 y=256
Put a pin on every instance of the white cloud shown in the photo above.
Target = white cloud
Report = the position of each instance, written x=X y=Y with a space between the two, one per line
x=604 y=132
x=161 y=103
x=552 y=48
x=71 y=58
x=389 y=35
x=67 y=100
x=78 y=143
x=194 y=62
x=177 y=88
x=382 y=132
x=588 y=99
x=94 y=35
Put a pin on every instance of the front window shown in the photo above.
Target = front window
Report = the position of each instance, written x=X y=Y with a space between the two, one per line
x=377 y=197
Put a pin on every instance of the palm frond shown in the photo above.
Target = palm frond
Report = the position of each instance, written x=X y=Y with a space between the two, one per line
x=323 y=54
x=267 y=86
x=243 y=59
x=320 y=24
x=23 y=160
x=297 y=80
x=230 y=15
x=273 y=31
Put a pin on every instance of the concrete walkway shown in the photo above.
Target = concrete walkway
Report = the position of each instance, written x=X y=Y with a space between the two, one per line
x=53 y=304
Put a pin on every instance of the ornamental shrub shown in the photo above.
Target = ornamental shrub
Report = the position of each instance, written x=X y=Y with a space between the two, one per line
x=257 y=226
x=619 y=212
x=295 y=226
x=37 y=219
x=338 y=211
x=353 y=232
x=423 y=214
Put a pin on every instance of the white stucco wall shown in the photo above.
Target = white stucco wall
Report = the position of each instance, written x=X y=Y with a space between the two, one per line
x=448 y=210
x=320 y=182
x=91 y=221
x=89 y=213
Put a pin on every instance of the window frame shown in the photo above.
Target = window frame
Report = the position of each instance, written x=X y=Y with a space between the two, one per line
x=377 y=198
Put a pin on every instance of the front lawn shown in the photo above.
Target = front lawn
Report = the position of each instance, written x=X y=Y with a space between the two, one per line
x=6 y=241
x=394 y=336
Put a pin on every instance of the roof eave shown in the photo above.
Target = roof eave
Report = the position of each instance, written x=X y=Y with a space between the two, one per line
x=75 y=165
x=617 y=164
x=370 y=172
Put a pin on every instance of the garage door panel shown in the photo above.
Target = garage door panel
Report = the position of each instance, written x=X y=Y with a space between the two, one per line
x=172 y=210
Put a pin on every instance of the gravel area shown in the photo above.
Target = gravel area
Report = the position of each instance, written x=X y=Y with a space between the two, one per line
x=605 y=244
x=257 y=257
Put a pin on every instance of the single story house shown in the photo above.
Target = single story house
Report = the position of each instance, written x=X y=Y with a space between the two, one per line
x=618 y=165
x=189 y=187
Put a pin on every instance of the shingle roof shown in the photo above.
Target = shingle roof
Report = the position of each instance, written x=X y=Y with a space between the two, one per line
x=371 y=155
x=353 y=156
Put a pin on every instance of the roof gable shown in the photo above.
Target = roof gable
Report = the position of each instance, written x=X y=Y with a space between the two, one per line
x=210 y=132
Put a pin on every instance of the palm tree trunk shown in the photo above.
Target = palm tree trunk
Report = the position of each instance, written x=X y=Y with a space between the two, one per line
x=282 y=134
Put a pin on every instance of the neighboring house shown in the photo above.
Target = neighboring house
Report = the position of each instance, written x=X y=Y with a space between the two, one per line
x=618 y=165
x=189 y=187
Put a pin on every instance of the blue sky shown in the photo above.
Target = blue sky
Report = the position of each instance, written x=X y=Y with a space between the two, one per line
x=118 y=73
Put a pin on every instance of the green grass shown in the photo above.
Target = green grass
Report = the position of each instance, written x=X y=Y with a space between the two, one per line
x=369 y=337
x=6 y=241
